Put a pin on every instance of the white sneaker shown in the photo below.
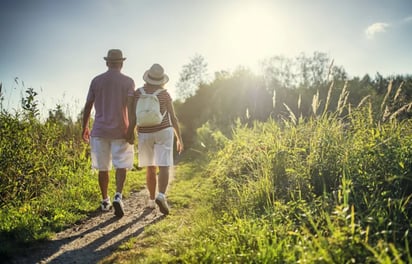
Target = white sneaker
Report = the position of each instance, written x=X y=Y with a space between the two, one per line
x=151 y=204
x=161 y=202
x=118 y=205
x=105 y=205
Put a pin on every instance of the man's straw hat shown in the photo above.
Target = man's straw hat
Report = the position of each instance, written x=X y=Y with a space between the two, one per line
x=114 y=55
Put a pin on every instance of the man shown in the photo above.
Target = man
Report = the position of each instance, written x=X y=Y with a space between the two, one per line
x=155 y=142
x=108 y=93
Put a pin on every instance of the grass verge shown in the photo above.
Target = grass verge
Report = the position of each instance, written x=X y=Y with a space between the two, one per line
x=164 y=241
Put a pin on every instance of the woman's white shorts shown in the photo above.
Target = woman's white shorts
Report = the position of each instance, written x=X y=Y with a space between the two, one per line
x=156 y=149
x=106 y=152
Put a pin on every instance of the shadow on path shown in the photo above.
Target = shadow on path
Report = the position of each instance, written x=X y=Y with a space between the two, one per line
x=95 y=238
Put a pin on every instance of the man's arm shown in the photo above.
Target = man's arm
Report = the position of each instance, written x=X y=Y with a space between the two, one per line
x=86 y=117
x=131 y=113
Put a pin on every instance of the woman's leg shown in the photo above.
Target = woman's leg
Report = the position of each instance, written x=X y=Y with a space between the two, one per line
x=163 y=178
x=151 y=181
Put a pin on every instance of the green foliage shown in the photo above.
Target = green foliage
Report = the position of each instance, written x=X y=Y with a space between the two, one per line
x=324 y=190
x=209 y=139
x=45 y=180
x=29 y=103
x=355 y=178
x=293 y=177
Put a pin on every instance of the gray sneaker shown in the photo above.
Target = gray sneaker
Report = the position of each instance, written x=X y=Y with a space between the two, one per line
x=161 y=202
x=118 y=206
x=105 y=205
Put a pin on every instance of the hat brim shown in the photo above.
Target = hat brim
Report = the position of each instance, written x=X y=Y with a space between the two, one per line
x=147 y=79
x=109 y=59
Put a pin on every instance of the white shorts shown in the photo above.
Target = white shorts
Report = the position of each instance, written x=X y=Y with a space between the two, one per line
x=156 y=149
x=106 y=151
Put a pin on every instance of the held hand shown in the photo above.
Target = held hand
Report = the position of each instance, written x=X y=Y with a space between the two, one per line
x=86 y=135
x=130 y=137
x=130 y=140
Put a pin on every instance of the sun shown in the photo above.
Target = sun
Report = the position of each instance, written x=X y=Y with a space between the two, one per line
x=252 y=30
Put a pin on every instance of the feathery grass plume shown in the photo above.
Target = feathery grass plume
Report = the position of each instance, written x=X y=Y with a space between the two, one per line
x=247 y=113
x=386 y=114
x=387 y=95
x=343 y=97
x=330 y=69
x=405 y=108
x=292 y=116
x=300 y=119
x=370 y=112
x=398 y=92
x=328 y=97
x=274 y=99
x=345 y=102
x=315 y=103
x=363 y=101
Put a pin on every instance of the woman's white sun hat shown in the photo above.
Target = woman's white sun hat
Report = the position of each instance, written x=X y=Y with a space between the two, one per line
x=155 y=75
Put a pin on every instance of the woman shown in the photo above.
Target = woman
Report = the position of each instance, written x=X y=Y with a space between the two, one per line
x=155 y=142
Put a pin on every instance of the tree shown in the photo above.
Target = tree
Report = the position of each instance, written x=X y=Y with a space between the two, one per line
x=301 y=72
x=57 y=116
x=191 y=77
x=279 y=71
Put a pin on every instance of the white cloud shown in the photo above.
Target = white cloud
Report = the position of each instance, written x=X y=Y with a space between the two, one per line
x=376 y=28
x=408 y=19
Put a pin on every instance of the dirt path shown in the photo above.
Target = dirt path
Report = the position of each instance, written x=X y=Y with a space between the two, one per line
x=96 y=237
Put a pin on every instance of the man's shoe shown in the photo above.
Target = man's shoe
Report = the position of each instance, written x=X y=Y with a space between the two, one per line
x=105 y=205
x=118 y=205
x=151 y=204
x=161 y=202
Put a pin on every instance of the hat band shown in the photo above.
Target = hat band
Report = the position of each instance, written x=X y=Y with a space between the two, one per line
x=155 y=78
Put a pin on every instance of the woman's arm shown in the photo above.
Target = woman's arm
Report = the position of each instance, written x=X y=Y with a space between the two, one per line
x=176 y=127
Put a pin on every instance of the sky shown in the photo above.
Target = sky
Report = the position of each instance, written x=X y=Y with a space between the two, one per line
x=57 y=47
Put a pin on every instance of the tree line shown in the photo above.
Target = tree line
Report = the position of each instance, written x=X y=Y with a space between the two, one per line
x=286 y=88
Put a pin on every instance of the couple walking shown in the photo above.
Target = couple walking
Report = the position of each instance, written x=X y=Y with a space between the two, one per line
x=114 y=98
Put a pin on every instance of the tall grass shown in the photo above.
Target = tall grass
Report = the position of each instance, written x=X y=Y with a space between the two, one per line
x=45 y=179
x=333 y=189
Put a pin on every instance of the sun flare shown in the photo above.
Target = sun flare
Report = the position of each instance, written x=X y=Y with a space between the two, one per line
x=252 y=31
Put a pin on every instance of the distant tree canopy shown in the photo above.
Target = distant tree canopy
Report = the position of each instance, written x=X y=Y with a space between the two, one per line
x=297 y=86
x=191 y=77
x=300 y=72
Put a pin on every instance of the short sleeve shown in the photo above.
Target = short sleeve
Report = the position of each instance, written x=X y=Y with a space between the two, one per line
x=131 y=91
x=91 y=94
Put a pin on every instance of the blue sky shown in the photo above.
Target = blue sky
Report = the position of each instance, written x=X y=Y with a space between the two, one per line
x=57 y=47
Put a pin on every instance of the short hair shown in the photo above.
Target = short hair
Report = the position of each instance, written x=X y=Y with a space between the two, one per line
x=114 y=64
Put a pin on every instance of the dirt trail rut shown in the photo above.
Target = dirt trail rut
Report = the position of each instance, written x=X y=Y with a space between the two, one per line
x=96 y=237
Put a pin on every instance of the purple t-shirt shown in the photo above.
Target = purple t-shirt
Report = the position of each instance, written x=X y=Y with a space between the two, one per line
x=109 y=92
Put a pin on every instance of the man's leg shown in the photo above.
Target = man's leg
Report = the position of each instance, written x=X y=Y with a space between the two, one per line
x=120 y=179
x=104 y=183
x=117 y=201
x=151 y=181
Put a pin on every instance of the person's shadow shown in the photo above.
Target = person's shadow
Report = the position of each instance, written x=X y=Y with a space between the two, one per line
x=94 y=250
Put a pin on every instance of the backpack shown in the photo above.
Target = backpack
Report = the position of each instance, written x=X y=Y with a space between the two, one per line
x=148 y=109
